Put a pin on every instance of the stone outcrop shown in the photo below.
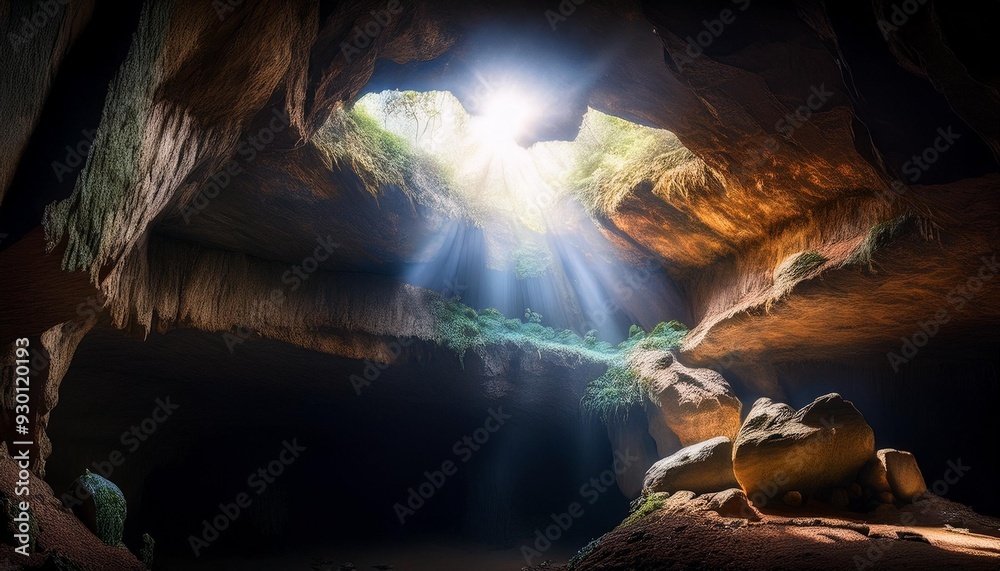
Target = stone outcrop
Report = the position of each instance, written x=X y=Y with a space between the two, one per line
x=694 y=404
x=701 y=468
x=822 y=446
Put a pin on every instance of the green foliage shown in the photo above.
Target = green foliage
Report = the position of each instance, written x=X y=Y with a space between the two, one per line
x=415 y=107
x=645 y=506
x=110 y=507
x=461 y=328
x=613 y=157
x=613 y=396
x=616 y=394
x=354 y=139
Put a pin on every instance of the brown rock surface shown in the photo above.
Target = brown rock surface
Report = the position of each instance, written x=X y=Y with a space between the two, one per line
x=819 y=447
x=902 y=473
x=695 y=404
x=701 y=468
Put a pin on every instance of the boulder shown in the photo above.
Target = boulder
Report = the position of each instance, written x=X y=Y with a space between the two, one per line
x=731 y=503
x=700 y=468
x=822 y=446
x=902 y=474
x=793 y=499
x=102 y=507
x=695 y=404
x=873 y=478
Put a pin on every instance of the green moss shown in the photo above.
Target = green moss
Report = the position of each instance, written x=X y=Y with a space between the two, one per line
x=584 y=552
x=612 y=397
x=111 y=174
x=796 y=268
x=880 y=236
x=146 y=553
x=646 y=506
x=110 y=507
x=461 y=329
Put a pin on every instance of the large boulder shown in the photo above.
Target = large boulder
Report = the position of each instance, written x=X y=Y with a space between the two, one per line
x=822 y=446
x=701 y=468
x=902 y=473
x=694 y=404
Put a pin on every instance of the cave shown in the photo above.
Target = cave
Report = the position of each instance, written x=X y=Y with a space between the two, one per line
x=573 y=284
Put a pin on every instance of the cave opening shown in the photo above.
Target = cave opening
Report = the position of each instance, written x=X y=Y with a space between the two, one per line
x=603 y=285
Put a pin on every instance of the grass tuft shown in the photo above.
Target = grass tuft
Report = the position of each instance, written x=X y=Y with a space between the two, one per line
x=646 y=506
x=617 y=394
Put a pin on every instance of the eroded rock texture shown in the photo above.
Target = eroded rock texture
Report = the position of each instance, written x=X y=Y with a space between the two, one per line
x=835 y=197
x=815 y=449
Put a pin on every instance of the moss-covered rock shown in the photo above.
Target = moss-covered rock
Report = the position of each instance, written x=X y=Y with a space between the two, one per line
x=616 y=394
x=146 y=552
x=584 y=552
x=103 y=510
x=644 y=506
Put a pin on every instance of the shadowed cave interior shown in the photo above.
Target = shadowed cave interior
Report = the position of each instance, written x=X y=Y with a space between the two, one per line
x=499 y=285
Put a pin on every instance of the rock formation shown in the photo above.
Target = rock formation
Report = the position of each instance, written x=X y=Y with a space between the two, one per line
x=817 y=448
x=700 y=468
x=695 y=404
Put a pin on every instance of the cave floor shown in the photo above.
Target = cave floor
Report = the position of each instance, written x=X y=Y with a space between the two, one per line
x=930 y=534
